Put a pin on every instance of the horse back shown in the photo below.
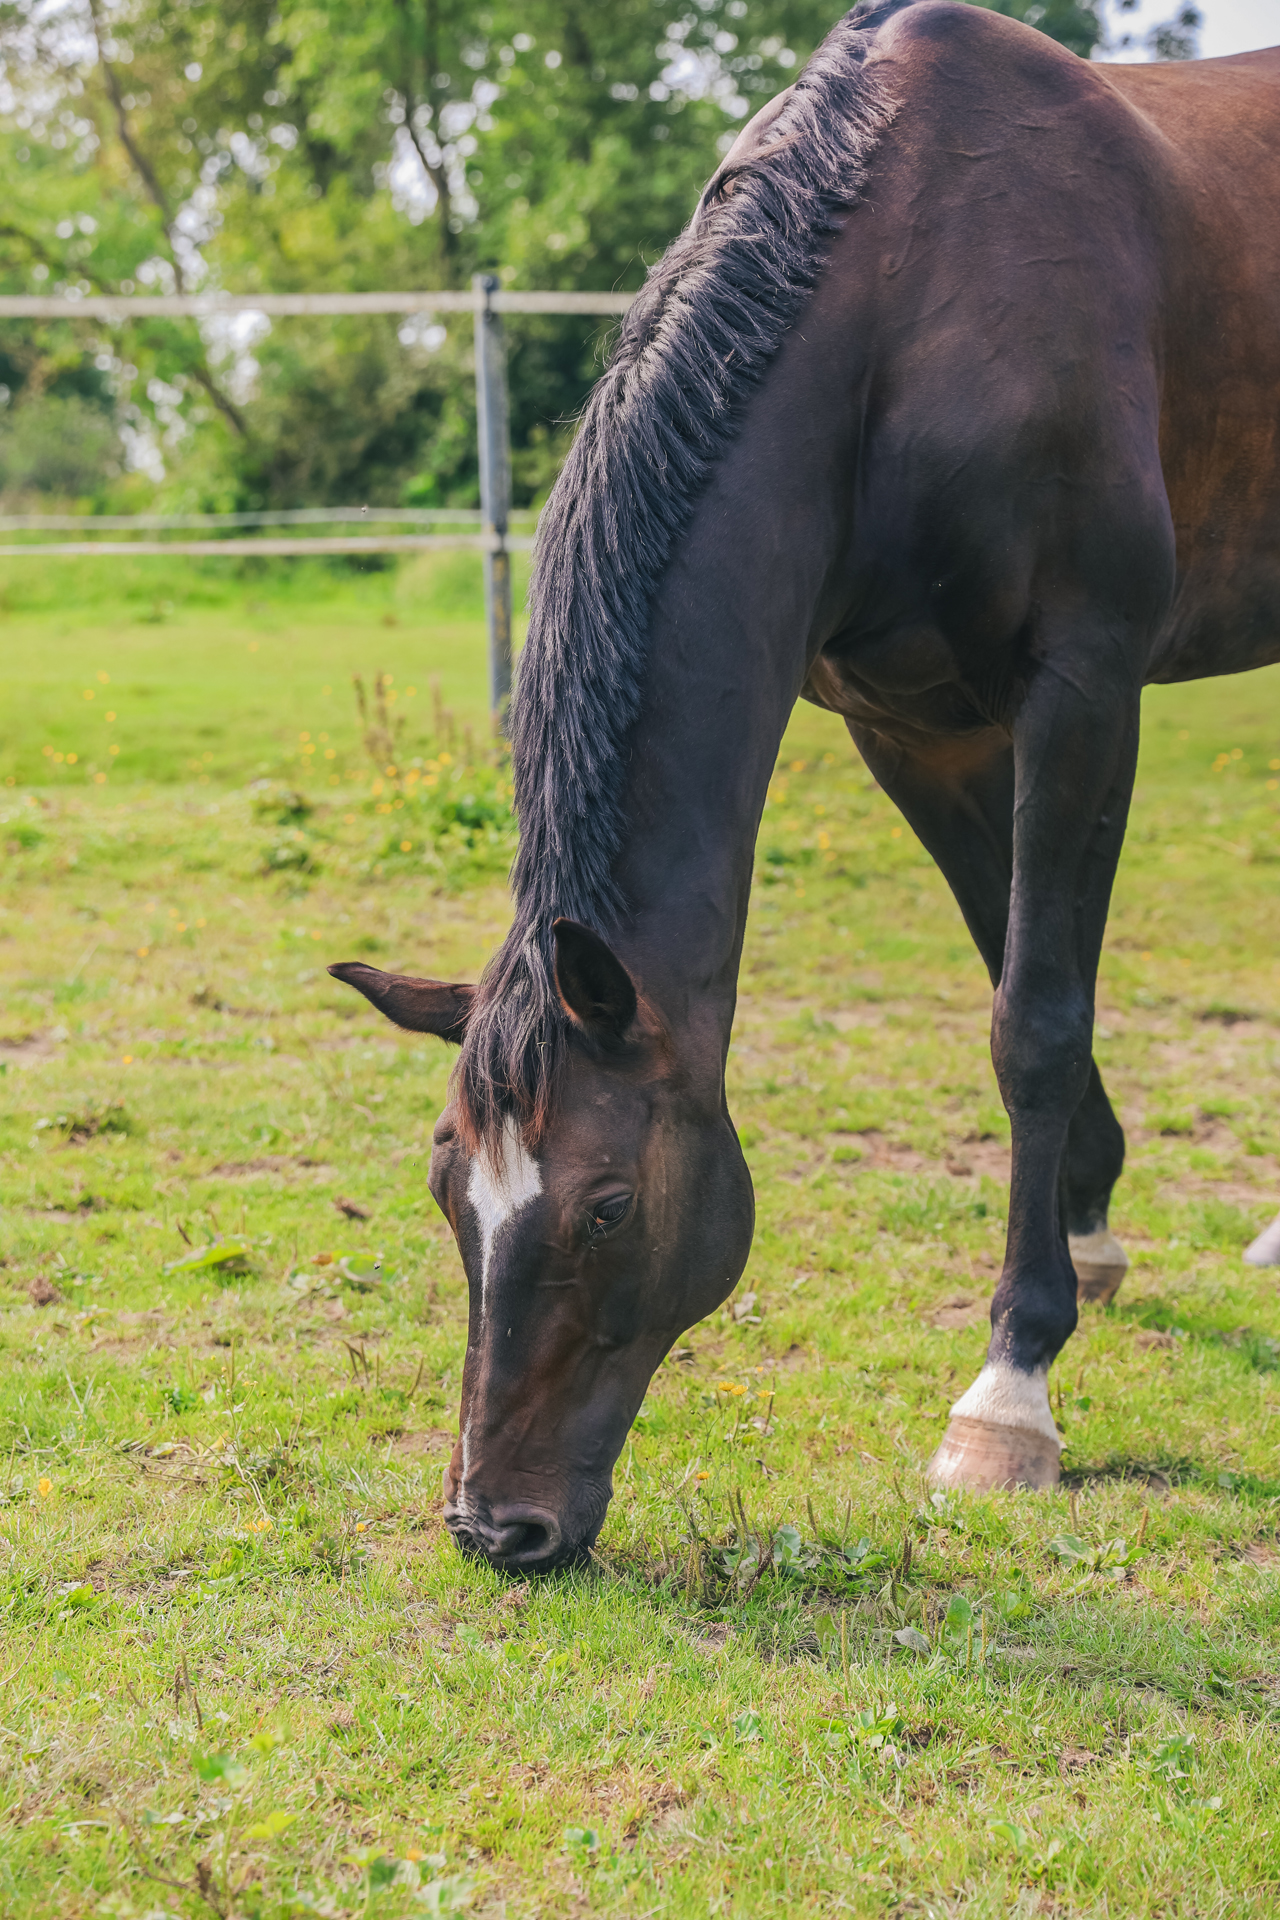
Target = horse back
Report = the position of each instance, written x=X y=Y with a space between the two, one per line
x=1070 y=279
x=1216 y=123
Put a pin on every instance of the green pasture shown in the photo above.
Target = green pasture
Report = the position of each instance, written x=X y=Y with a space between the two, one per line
x=242 y=1672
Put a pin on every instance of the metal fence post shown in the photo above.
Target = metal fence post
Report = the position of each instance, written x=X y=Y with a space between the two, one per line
x=495 y=489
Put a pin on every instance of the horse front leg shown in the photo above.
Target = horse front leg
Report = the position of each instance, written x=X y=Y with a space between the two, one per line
x=1075 y=747
x=958 y=796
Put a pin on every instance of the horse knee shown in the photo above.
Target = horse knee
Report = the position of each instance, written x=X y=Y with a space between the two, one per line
x=1041 y=1050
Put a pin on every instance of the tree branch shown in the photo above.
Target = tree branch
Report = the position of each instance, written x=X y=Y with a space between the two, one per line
x=226 y=406
x=435 y=173
x=151 y=180
x=146 y=172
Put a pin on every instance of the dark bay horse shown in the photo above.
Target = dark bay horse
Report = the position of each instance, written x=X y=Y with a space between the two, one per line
x=956 y=409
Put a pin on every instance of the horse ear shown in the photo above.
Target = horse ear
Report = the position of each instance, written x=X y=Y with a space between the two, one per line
x=423 y=1006
x=594 y=985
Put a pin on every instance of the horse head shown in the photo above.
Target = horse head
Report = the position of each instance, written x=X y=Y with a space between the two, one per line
x=588 y=1250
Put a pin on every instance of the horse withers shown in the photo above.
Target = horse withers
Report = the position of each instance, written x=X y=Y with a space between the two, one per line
x=954 y=410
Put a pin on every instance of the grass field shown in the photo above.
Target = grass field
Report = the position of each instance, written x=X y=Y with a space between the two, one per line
x=241 y=1669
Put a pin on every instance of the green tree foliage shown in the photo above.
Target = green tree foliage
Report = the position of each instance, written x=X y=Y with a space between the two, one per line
x=277 y=145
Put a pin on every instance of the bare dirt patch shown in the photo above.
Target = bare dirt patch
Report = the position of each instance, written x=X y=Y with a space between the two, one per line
x=28 y=1049
x=964 y=1310
x=284 y=1164
x=428 y=1441
x=893 y=1155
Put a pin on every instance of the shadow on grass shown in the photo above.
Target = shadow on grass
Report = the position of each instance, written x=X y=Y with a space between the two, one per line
x=1166 y=1472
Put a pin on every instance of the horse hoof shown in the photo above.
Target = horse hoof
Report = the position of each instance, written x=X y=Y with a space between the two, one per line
x=1265 y=1251
x=981 y=1456
x=1100 y=1263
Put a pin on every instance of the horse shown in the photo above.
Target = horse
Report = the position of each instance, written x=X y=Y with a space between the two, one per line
x=954 y=410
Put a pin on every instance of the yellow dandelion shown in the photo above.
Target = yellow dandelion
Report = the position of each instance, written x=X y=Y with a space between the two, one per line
x=113 y=749
x=406 y=846
x=702 y=1476
x=202 y=923
x=143 y=952
x=361 y=1526
x=126 y=1060
x=72 y=758
x=44 y=1488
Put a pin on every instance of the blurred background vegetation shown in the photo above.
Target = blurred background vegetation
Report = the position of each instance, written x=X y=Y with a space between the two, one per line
x=299 y=145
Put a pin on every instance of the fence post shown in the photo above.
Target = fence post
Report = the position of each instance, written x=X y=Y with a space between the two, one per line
x=495 y=489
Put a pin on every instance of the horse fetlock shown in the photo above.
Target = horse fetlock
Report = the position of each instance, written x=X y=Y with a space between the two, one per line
x=1001 y=1434
x=1100 y=1263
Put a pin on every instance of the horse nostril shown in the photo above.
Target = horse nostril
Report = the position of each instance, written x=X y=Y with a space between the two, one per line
x=539 y=1540
x=521 y=1538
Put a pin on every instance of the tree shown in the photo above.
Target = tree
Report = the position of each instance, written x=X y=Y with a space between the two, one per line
x=283 y=145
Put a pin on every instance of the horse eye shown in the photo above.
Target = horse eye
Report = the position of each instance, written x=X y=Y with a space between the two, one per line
x=606 y=1214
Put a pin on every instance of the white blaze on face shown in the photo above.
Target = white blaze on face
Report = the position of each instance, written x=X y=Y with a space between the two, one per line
x=1004 y=1396
x=498 y=1190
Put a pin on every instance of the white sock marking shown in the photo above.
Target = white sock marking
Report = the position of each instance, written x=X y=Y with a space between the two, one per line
x=1265 y=1251
x=498 y=1191
x=1006 y=1397
x=1097 y=1249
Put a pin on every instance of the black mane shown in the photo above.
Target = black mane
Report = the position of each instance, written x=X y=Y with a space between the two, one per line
x=693 y=347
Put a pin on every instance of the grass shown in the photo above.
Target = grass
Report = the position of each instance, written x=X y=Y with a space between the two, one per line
x=242 y=1672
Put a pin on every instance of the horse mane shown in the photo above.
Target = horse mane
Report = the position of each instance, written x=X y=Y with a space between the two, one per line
x=695 y=343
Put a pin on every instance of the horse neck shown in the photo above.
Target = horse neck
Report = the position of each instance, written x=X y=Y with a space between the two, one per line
x=733 y=628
